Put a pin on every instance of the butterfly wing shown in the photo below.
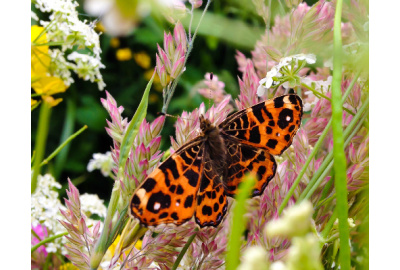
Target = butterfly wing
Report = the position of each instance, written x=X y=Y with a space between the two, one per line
x=168 y=194
x=270 y=125
x=243 y=158
x=212 y=203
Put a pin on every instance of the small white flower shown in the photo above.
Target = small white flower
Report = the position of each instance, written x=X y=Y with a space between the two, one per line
x=103 y=162
x=34 y=16
x=295 y=221
x=310 y=58
x=92 y=204
x=254 y=258
x=278 y=265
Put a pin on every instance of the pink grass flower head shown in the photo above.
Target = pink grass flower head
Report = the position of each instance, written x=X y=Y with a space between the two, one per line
x=81 y=238
x=248 y=88
x=145 y=154
x=170 y=60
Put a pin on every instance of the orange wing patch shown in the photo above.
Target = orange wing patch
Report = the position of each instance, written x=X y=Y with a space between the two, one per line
x=211 y=199
x=168 y=195
x=242 y=159
x=270 y=125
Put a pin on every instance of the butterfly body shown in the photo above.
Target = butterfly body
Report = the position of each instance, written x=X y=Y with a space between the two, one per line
x=196 y=180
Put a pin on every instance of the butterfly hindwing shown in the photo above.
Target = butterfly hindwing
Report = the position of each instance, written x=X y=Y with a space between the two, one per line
x=211 y=199
x=270 y=125
x=168 y=195
x=242 y=159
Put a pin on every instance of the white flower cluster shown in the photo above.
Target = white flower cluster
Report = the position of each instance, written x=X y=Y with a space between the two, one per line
x=269 y=81
x=65 y=29
x=103 y=162
x=321 y=86
x=92 y=204
x=45 y=207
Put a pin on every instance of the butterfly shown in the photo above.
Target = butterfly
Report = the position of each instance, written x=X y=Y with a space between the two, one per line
x=198 y=177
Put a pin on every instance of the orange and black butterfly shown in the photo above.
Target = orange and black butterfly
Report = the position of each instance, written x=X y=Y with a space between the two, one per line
x=198 y=177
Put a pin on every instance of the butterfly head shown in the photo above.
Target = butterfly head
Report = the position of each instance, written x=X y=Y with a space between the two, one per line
x=206 y=125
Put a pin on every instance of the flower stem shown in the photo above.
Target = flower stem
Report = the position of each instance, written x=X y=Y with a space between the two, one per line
x=184 y=249
x=59 y=148
x=314 y=151
x=40 y=144
x=50 y=239
x=238 y=222
x=339 y=156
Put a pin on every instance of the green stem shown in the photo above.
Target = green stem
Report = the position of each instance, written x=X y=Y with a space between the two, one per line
x=50 y=239
x=327 y=164
x=339 y=156
x=36 y=105
x=171 y=91
x=314 y=151
x=184 y=249
x=328 y=227
x=70 y=138
x=238 y=222
x=68 y=128
x=40 y=143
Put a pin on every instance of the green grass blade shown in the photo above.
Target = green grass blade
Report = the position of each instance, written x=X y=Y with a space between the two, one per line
x=339 y=156
x=238 y=222
x=314 y=151
x=133 y=127
x=184 y=249
x=67 y=141
x=40 y=142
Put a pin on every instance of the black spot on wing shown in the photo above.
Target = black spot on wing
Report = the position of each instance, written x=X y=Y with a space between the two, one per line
x=271 y=123
x=135 y=200
x=287 y=137
x=292 y=99
x=174 y=215
x=272 y=143
x=163 y=199
x=278 y=102
x=258 y=115
x=291 y=128
x=221 y=199
x=204 y=183
x=163 y=215
x=179 y=190
x=192 y=176
x=188 y=201
x=206 y=210
x=216 y=207
x=285 y=117
x=268 y=130
x=172 y=188
x=261 y=171
x=149 y=184
x=255 y=135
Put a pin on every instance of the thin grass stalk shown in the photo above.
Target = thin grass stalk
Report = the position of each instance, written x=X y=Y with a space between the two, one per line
x=184 y=249
x=315 y=182
x=314 y=151
x=59 y=148
x=339 y=156
x=40 y=143
x=67 y=130
x=50 y=239
x=238 y=222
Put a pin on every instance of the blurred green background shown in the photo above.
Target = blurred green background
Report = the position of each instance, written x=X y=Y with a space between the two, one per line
x=228 y=26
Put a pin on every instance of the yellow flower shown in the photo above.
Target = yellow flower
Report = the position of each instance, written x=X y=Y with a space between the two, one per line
x=68 y=266
x=41 y=82
x=142 y=59
x=40 y=58
x=49 y=86
x=138 y=244
x=124 y=54
x=114 y=42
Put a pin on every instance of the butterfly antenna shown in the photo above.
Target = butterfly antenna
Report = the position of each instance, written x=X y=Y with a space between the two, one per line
x=209 y=98
x=170 y=115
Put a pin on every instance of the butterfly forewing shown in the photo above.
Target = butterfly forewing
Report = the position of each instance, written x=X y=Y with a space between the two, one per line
x=270 y=125
x=168 y=195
